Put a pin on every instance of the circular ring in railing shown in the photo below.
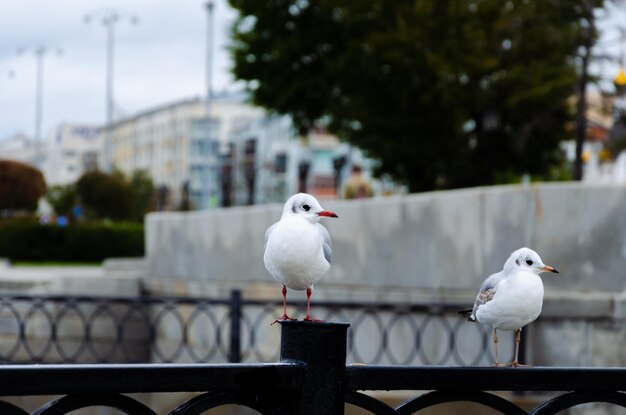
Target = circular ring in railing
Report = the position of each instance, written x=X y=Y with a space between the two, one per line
x=263 y=320
x=402 y=315
x=372 y=315
x=446 y=329
x=70 y=311
x=139 y=329
x=102 y=313
x=9 y=356
x=458 y=342
x=210 y=400
x=368 y=403
x=38 y=307
x=568 y=400
x=438 y=397
x=70 y=403
x=202 y=311
x=168 y=308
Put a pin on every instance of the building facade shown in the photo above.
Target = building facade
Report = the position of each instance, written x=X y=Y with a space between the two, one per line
x=180 y=148
x=71 y=151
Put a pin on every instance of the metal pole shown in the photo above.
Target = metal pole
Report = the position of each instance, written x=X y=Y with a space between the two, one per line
x=209 y=58
x=110 y=26
x=39 y=54
x=210 y=188
x=321 y=347
x=235 y=327
x=109 y=19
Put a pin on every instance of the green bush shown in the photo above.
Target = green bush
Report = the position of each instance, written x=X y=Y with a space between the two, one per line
x=23 y=241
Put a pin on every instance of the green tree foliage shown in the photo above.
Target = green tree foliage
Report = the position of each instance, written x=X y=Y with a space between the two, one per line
x=444 y=93
x=145 y=194
x=113 y=196
x=21 y=186
x=62 y=199
x=105 y=196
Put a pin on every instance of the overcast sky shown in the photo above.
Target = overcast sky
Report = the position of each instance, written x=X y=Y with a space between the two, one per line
x=160 y=59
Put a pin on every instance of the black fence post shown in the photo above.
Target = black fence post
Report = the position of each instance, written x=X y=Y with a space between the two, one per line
x=234 y=354
x=321 y=347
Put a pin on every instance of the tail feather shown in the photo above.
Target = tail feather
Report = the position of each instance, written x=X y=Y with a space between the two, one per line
x=466 y=312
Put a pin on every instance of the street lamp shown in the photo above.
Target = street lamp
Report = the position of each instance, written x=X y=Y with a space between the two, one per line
x=209 y=57
x=109 y=18
x=40 y=52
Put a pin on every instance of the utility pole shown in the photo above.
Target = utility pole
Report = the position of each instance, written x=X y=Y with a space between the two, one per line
x=581 y=107
x=109 y=18
x=40 y=52
x=209 y=57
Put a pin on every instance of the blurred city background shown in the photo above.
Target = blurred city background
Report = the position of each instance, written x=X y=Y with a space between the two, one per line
x=234 y=104
x=146 y=146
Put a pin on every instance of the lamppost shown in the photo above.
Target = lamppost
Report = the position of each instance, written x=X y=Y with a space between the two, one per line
x=109 y=18
x=209 y=57
x=40 y=52
x=218 y=187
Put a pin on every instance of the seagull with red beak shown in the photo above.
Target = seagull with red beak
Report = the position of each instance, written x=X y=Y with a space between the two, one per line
x=298 y=250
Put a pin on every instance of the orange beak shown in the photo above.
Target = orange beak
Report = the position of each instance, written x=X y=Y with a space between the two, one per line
x=548 y=268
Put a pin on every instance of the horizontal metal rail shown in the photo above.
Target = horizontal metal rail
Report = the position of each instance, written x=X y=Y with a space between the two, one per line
x=25 y=380
x=451 y=378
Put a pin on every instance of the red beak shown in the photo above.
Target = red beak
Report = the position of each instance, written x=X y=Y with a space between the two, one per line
x=327 y=213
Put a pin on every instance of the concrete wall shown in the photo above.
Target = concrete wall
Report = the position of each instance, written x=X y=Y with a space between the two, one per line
x=432 y=241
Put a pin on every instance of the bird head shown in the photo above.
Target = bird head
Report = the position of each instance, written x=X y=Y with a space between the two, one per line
x=528 y=260
x=307 y=207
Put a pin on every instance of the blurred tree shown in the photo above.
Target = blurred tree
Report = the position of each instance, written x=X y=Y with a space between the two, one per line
x=62 y=199
x=21 y=186
x=145 y=194
x=106 y=196
x=443 y=93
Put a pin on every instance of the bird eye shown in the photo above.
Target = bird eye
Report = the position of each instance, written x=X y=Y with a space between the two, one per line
x=306 y=207
x=529 y=261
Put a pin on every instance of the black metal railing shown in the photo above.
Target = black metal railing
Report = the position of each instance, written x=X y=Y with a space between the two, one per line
x=311 y=378
x=75 y=329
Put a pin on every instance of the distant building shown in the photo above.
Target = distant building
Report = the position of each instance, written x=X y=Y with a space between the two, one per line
x=269 y=161
x=180 y=148
x=73 y=150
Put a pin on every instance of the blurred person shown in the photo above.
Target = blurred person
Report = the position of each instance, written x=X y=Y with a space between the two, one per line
x=357 y=186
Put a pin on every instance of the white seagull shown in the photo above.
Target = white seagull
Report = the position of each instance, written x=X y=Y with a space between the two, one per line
x=298 y=251
x=511 y=298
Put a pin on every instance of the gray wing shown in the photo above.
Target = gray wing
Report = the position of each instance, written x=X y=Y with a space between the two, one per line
x=486 y=292
x=327 y=245
x=267 y=235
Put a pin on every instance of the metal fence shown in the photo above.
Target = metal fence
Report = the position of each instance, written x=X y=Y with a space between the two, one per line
x=310 y=379
x=72 y=329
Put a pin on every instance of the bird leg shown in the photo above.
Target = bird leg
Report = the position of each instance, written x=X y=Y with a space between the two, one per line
x=515 y=362
x=495 y=344
x=285 y=316
x=308 y=307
